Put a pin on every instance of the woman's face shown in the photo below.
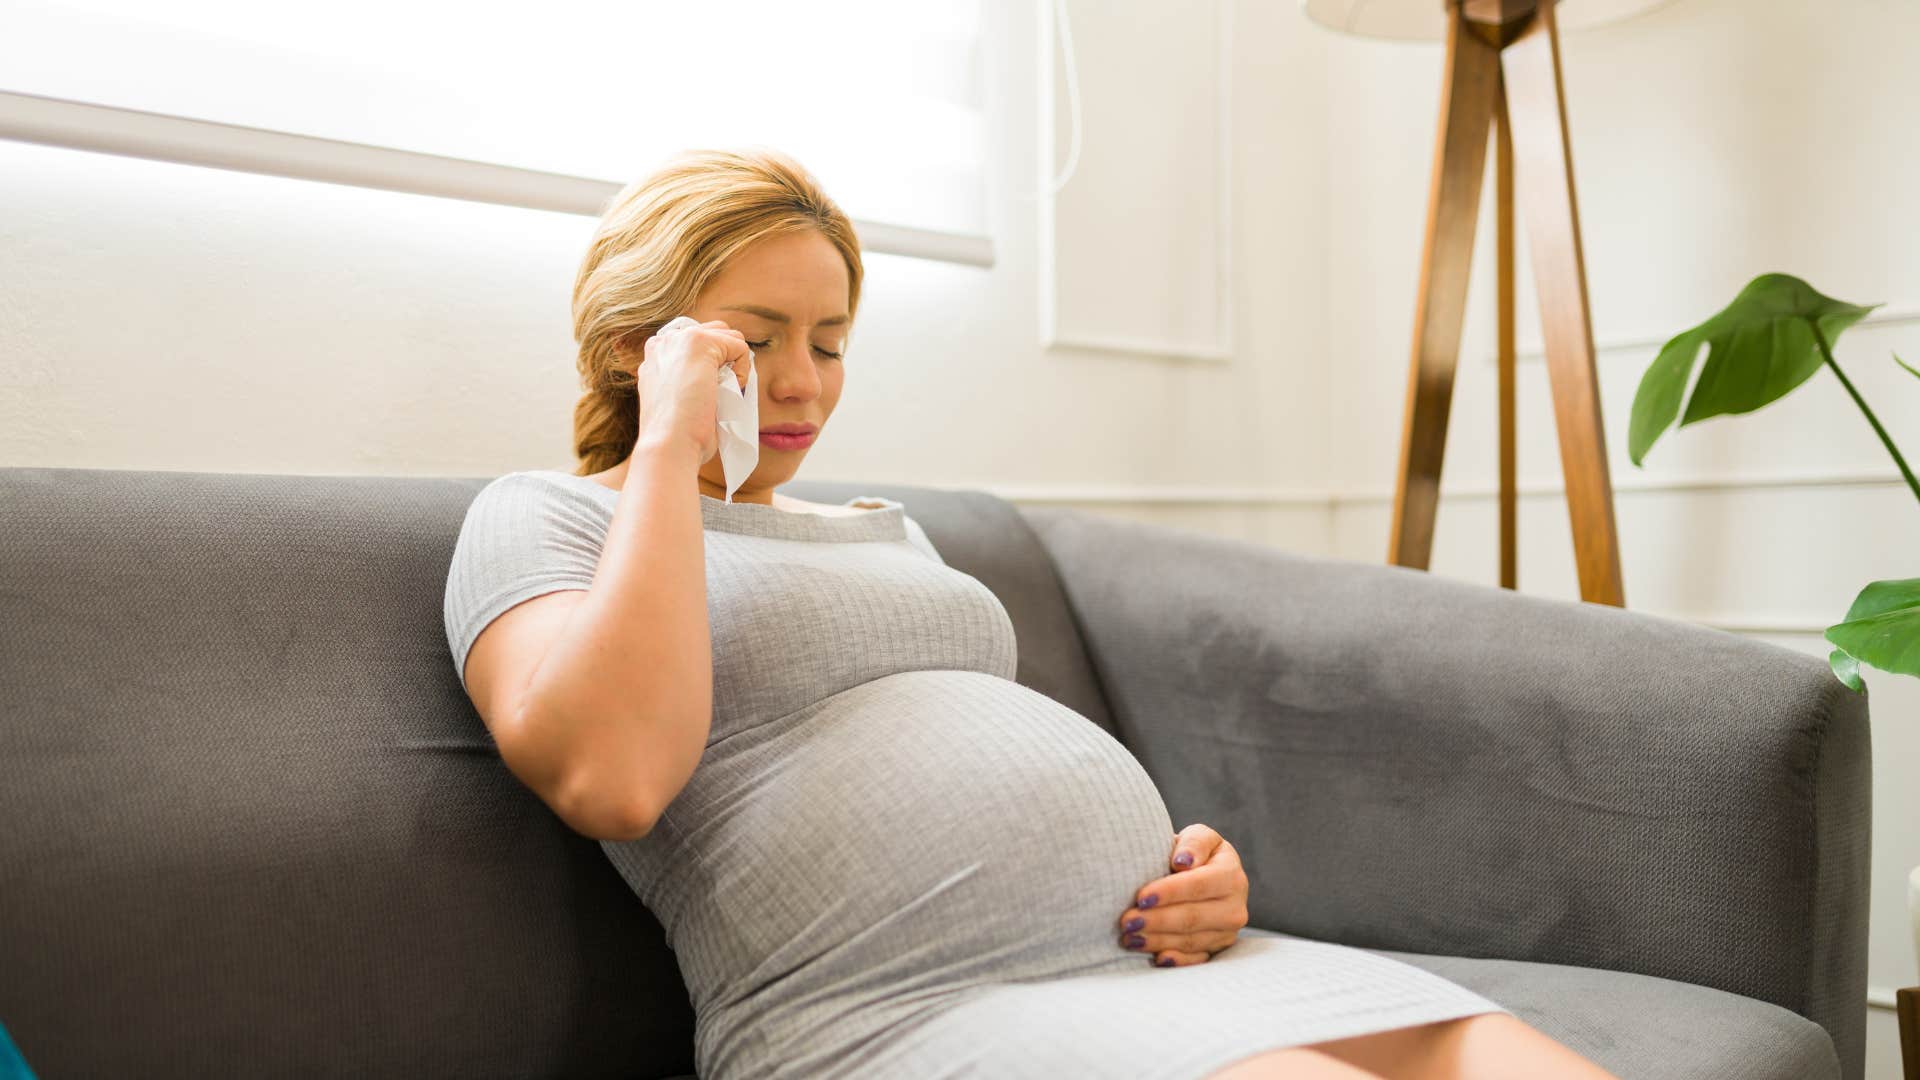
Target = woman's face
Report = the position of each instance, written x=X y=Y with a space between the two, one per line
x=788 y=295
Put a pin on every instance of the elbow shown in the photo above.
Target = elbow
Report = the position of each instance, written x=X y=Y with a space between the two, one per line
x=598 y=814
x=616 y=832
x=624 y=825
x=580 y=797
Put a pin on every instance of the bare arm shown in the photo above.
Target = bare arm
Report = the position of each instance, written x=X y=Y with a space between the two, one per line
x=615 y=716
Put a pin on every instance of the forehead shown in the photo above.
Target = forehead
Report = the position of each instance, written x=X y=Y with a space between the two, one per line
x=800 y=274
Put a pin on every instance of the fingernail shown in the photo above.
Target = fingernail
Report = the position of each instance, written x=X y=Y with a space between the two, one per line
x=1165 y=961
x=1149 y=900
x=1135 y=923
x=1135 y=941
x=1183 y=860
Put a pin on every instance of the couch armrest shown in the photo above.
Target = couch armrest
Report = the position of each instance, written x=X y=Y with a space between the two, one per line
x=1411 y=762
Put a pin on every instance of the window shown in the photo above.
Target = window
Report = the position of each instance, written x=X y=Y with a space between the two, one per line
x=881 y=99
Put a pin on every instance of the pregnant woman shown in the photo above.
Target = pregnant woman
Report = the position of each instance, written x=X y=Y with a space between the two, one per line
x=796 y=733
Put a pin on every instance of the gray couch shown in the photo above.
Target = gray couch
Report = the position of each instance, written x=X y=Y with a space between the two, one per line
x=250 y=824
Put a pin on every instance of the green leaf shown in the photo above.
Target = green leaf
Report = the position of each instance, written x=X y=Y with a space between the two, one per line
x=1882 y=628
x=1657 y=401
x=1846 y=669
x=1904 y=364
x=1881 y=597
x=1759 y=348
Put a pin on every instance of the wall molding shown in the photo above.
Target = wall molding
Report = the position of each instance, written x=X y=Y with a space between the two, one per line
x=1816 y=478
x=1159 y=350
x=78 y=125
x=1225 y=278
x=1160 y=495
x=1329 y=499
x=1537 y=352
x=1293 y=501
x=1789 y=626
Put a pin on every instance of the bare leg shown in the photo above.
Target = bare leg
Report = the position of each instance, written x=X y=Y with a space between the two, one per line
x=1292 y=1063
x=1491 y=1046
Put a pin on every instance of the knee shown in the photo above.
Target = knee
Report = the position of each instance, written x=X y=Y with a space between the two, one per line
x=1449 y=1040
x=1479 y=1026
x=1291 y=1063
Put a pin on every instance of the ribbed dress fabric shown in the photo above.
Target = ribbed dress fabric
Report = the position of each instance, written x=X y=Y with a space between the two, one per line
x=893 y=860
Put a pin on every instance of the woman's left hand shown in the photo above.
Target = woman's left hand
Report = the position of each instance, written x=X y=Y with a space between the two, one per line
x=1194 y=912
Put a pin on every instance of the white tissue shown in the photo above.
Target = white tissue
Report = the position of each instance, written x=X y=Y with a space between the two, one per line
x=739 y=413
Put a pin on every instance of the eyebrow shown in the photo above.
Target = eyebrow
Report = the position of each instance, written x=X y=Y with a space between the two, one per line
x=780 y=316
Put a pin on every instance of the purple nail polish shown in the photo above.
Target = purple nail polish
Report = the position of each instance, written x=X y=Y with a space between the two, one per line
x=1149 y=900
x=1135 y=923
x=1183 y=860
x=1135 y=941
x=1165 y=961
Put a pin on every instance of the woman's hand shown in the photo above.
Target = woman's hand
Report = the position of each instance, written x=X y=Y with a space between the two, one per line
x=676 y=385
x=1198 y=910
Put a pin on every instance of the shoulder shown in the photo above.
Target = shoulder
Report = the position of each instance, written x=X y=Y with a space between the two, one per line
x=533 y=488
x=500 y=494
x=531 y=510
x=524 y=534
x=520 y=483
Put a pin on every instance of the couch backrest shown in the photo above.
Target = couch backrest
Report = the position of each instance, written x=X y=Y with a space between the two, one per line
x=253 y=824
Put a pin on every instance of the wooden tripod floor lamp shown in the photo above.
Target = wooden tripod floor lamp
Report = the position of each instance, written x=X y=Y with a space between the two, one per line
x=1502 y=76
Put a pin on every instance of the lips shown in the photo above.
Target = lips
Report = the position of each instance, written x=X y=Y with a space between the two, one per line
x=779 y=441
x=789 y=429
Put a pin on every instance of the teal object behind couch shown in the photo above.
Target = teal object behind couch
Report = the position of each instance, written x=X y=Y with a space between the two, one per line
x=256 y=828
x=12 y=1065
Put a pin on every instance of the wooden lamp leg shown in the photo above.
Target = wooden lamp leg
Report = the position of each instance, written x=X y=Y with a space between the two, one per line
x=1503 y=240
x=1544 y=170
x=1453 y=206
x=1907 y=1006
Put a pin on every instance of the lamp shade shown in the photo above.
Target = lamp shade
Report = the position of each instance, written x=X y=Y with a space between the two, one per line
x=1426 y=20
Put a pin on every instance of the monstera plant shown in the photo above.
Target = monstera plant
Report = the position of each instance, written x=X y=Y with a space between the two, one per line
x=1772 y=338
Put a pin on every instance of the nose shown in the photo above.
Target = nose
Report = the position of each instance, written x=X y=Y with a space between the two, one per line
x=788 y=373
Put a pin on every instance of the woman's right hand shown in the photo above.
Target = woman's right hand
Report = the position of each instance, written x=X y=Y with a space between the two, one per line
x=678 y=381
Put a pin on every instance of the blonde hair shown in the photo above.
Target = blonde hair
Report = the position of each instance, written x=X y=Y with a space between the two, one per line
x=659 y=243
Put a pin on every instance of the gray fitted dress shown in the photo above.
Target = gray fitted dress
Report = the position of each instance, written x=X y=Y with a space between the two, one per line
x=892 y=859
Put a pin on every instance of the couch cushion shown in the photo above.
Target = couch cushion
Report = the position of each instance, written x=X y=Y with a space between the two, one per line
x=1639 y=1027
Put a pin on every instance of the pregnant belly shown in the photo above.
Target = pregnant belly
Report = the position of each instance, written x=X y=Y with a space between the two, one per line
x=929 y=829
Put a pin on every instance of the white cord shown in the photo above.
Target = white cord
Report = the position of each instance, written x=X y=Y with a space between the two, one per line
x=1073 y=93
x=1073 y=98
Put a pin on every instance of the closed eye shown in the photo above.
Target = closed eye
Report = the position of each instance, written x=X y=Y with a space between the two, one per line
x=816 y=348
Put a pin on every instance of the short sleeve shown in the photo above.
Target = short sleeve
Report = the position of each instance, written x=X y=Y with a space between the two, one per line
x=917 y=536
x=522 y=537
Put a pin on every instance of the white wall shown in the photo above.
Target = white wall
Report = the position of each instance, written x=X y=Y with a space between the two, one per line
x=1713 y=140
x=168 y=317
